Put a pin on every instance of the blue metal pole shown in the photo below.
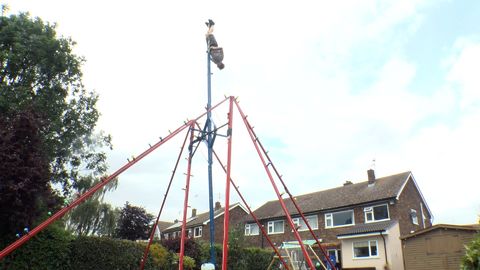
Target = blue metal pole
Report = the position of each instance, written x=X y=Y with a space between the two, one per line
x=210 y=159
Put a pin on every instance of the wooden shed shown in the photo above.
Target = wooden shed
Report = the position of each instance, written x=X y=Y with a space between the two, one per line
x=438 y=247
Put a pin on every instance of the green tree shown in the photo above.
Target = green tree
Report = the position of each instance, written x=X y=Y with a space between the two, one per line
x=471 y=259
x=93 y=217
x=38 y=70
x=40 y=73
x=134 y=223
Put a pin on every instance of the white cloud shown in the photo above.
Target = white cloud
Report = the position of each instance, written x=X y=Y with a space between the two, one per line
x=292 y=64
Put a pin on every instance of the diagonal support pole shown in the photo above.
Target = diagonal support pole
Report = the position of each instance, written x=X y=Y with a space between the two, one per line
x=147 y=248
x=185 y=204
x=280 y=199
x=297 y=207
x=253 y=215
x=95 y=188
x=251 y=212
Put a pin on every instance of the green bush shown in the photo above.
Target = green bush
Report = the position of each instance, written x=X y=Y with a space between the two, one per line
x=471 y=259
x=49 y=249
x=107 y=253
x=257 y=258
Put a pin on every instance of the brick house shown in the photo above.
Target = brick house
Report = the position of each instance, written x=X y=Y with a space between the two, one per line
x=161 y=226
x=198 y=225
x=356 y=217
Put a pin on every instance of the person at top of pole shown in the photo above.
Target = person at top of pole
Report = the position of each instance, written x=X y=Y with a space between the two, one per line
x=216 y=53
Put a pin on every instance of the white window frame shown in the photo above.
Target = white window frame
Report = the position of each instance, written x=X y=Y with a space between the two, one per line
x=248 y=229
x=195 y=235
x=414 y=216
x=271 y=226
x=298 y=222
x=370 y=210
x=369 y=250
x=336 y=254
x=329 y=216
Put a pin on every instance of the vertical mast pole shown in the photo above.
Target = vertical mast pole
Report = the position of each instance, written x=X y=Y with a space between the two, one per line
x=210 y=158
x=227 y=188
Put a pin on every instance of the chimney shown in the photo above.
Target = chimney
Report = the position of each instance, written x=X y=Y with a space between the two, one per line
x=217 y=206
x=348 y=182
x=194 y=212
x=175 y=221
x=371 y=177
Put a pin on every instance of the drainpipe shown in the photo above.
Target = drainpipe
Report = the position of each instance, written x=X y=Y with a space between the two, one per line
x=385 y=248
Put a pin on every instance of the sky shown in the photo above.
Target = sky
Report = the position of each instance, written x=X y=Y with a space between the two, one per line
x=332 y=88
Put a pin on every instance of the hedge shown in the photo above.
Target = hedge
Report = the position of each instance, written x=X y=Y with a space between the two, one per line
x=49 y=249
x=54 y=248
x=106 y=253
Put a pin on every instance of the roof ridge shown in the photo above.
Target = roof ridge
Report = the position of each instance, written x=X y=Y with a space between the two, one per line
x=339 y=187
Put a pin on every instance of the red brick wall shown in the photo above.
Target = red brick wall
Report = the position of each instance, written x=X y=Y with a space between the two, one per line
x=236 y=217
x=409 y=199
x=399 y=210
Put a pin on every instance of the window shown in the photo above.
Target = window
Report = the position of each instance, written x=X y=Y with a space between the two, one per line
x=339 y=219
x=251 y=229
x=189 y=233
x=365 y=249
x=413 y=214
x=275 y=226
x=335 y=253
x=197 y=231
x=376 y=213
x=165 y=235
x=312 y=221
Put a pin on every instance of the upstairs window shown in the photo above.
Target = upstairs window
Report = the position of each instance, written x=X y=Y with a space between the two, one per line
x=251 y=229
x=365 y=249
x=312 y=221
x=339 y=219
x=197 y=231
x=276 y=226
x=376 y=213
x=413 y=215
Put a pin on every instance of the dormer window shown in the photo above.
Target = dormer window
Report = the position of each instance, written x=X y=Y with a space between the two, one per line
x=376 y=213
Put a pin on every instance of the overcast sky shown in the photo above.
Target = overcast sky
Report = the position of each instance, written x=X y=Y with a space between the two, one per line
x=330 y=86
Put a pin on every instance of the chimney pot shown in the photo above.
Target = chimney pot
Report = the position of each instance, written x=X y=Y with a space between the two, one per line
x=217 y=206
x=194 y=212
x=348 y=182
x=371 y=177
x=175 y=221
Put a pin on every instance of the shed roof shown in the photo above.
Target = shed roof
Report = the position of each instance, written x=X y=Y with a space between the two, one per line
x=470 y=227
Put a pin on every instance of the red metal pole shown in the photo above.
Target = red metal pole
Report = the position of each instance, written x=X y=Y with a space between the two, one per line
x=185 y=204
x=227 y=188
x=19 y=242
x=280 y=199
x=251 y=212
x=293 y=199
x=253 y=215
x=147 y=248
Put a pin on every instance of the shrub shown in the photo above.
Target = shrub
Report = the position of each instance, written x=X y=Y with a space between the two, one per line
x=107 y=253
x=471 y=259
x=49 y=249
